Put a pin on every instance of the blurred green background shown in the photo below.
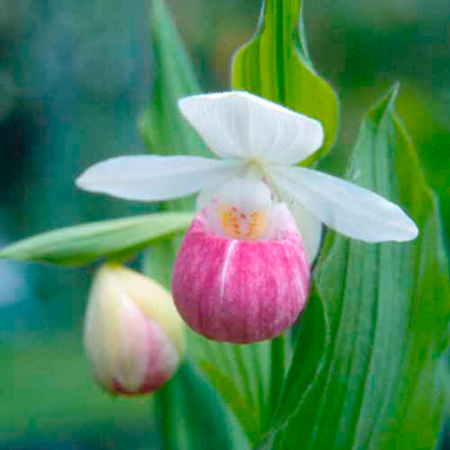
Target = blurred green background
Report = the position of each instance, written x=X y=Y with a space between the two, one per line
x=74 y=78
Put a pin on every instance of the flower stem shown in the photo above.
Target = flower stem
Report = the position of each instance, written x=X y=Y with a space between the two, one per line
x=277 y=372
x=164 y=413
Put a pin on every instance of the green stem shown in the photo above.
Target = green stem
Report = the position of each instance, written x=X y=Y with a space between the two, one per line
x=277 y=372
x=163 y=400
x=170 y=413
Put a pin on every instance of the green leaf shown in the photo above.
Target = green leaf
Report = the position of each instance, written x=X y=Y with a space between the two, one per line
x=191 y=417
x=164 y=129
x=241 y=375
x=83 y=243
x=388 y=311
x=275 y=64
x=159 y=259
x=312 y=339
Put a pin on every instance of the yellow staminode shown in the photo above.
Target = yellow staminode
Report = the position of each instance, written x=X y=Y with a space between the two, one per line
x=241 y=224
x=243 y=208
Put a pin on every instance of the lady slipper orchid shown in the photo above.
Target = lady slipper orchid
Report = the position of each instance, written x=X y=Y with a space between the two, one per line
x=133 y=335
x=242 y=273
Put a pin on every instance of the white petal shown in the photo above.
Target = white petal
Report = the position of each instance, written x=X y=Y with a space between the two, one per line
x=241 y=125
x=310 y=228
x=345 y=207
x=154 y=178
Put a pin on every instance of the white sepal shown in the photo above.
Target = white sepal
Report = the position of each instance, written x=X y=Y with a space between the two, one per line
x=241 y=125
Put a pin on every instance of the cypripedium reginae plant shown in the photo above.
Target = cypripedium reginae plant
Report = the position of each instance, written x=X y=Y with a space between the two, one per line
x=243 y=271
x=133 y=335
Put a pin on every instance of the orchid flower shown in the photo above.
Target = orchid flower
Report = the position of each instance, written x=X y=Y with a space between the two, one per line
x=249 y=199
x=249 y=132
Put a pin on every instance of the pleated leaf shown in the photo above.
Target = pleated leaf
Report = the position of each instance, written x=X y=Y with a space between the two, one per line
x=241 y=374
x=380 y=384
x=191 y=417
x=275 y=64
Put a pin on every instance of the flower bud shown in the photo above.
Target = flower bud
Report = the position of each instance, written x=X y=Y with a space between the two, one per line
x=133 y=334
x=246 y=283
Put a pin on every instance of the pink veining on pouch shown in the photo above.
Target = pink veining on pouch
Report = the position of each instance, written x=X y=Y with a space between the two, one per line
x=240 y=291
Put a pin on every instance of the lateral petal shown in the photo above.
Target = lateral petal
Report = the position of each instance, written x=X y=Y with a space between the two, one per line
x=347 y=208
x=155 y=178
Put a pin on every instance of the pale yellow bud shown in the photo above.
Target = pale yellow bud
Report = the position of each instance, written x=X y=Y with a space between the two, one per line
x=133 y=334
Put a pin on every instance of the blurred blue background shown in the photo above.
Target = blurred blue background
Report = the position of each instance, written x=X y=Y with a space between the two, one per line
x=74 y=78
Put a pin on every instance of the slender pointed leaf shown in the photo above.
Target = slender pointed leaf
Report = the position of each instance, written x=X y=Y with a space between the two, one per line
x=164 y=129
x=388 y=309
x=275 y=64
x=83 y=243
x=308 y=359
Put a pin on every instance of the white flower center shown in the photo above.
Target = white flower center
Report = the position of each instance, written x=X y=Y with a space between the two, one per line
x=246 y=209
x=243 y=208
